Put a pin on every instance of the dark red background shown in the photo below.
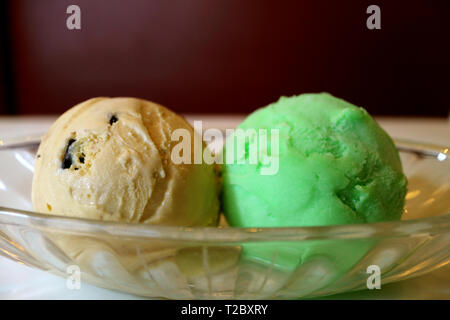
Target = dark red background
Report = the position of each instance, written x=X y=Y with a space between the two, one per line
x=226 y=55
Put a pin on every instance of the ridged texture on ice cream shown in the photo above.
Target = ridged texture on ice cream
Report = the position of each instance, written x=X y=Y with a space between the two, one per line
x=109 y=159
x=336 y=166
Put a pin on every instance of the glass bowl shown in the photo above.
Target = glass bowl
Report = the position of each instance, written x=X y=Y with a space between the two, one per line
x=232 y=263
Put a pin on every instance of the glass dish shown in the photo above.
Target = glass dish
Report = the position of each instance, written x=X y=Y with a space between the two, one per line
x=231 y=263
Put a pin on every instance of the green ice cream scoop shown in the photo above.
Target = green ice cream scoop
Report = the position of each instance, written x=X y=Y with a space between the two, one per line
x=330 y=163
x=335 y=165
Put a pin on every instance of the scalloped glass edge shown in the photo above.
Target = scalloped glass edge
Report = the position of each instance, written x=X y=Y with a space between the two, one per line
x=440 y=223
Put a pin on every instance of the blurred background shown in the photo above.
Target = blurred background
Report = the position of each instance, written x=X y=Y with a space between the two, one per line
x=225 y=56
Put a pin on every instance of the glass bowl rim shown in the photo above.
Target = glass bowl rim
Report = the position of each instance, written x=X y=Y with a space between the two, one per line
x=414 y=227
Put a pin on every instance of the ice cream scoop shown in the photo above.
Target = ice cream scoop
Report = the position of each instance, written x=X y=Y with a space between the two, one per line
x=336 y=166
x=110 y=159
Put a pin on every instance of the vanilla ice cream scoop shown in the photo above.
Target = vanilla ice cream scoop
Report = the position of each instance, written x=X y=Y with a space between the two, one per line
x=110 y=159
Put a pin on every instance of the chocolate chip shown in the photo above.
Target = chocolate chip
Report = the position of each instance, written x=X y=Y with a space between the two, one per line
x=67 y=162
x=81 y=159
x=113 y=119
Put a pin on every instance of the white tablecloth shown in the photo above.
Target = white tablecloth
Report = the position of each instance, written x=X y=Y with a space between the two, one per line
x=22 y=282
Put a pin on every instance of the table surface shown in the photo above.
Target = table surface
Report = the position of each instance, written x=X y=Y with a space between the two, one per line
x=22 y=282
